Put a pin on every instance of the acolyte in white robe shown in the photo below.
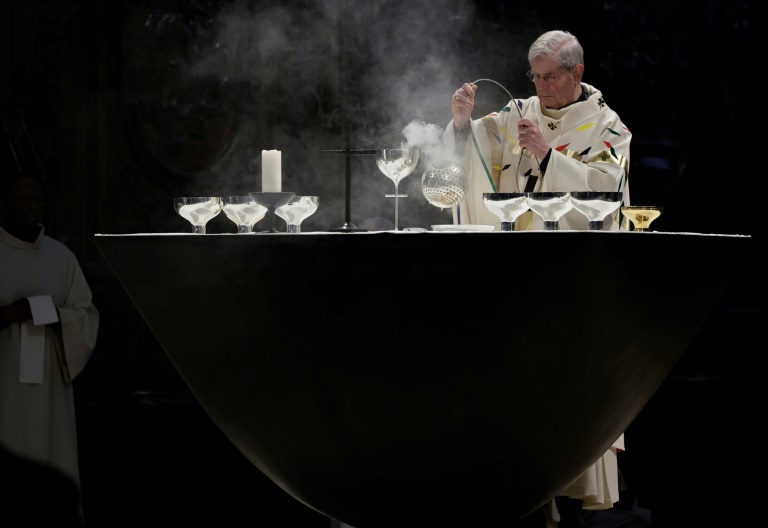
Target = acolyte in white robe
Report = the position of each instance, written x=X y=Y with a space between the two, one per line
x=37 y=415
x=590 y=152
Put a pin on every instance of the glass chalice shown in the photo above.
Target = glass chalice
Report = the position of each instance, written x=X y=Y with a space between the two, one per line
x=296 y=210
x=550 y=206
x=396 y=164
x=243 y=211
x=507 y=206
x=641 y=216
x=197 y=210
x=596 y=205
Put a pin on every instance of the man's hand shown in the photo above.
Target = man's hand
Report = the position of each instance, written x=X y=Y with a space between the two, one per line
x=462 y=102
x=16 y=312
x=529 y=136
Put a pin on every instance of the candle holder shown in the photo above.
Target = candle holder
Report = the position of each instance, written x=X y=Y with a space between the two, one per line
x=271 y=200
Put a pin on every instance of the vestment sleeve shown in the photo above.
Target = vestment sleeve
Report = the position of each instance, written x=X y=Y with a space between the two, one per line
x=479 y=158
x=79 y=325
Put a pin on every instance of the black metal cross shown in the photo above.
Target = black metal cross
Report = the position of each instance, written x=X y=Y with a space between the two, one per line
x=348 y=152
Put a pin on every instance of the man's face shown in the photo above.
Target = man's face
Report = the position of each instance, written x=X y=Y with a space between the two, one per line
x=555 y=86
x=24 y=203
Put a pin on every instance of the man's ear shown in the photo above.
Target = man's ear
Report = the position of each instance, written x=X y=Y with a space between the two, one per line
x=578 y=72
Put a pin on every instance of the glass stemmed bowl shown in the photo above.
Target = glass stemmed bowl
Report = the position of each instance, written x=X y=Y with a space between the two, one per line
x=396 y=164
x=197 y=210
x=550 y=206
x=596 y=205
x=507 y=206
x=296 y=210
x=243 y=211
x=641 y=216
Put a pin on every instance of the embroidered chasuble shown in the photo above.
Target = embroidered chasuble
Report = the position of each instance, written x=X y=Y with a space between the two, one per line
x=590 y=152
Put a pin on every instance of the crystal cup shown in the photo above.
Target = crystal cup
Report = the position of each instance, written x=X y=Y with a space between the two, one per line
x=243 y=211
x=197 y=210
x=296 y=211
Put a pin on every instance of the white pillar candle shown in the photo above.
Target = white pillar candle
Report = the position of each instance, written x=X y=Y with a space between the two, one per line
x=271 y=172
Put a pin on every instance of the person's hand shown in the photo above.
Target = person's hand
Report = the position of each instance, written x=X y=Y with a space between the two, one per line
x=17 y=311
x=462 y=102
x=529 y=136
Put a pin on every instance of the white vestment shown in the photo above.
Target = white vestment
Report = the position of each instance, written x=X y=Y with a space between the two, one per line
x=37 y=418
x=598 y=486
x=590 y=152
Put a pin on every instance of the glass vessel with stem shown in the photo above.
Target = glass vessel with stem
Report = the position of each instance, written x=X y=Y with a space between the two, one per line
x=550 y=206
x=243 y=211
x=197 y=210
x=296 y=211
x=596 y=205
x=641 y=216
x=396 y=164
x=507 y=206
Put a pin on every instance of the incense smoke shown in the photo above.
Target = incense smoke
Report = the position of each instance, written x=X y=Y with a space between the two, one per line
x=295 y=75
x=428 y=137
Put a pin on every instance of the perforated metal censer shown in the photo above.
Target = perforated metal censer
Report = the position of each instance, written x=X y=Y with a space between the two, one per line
x=444 y=186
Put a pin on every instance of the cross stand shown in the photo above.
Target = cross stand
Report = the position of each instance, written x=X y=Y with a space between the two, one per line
x=348 y=226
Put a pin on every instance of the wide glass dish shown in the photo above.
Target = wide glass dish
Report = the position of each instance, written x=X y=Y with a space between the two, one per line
x=507 y=207
x=596 y=205
x=296 y=211
x=243 y=211
x=550 y=206
x=197 y=210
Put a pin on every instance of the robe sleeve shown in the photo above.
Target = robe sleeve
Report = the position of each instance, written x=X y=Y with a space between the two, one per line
x=484 y=177
x=79 y=325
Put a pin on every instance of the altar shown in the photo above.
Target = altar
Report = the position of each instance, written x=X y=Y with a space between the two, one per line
x=390 y=378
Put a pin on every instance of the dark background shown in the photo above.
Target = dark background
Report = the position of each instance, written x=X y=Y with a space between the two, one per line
x=119 y=106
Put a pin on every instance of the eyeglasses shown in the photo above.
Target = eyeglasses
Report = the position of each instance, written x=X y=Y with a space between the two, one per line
x=547 y=79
